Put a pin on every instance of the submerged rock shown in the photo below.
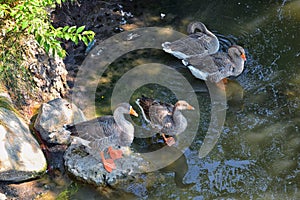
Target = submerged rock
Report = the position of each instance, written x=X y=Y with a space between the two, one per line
x=53 y=116
x=21 y=157
x=86 y=166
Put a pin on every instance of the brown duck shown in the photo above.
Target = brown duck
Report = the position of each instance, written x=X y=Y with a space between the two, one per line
x=107 y=131
x=165 y=118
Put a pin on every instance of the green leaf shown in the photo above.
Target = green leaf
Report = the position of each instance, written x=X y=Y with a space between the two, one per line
x=54 y=52
x=67 y=36
x=75 y=39
x=80 y=29
x=72 y=29
x=18 y=15
x=89 y=34
x=24 y=25
x=29 y=29
x=38 y=38
x=16 y=29
x=85 y=40
x=13 y=13
x=60 y=35
x=61 y=53
x=47 y=47
x=66 y=28
x=21 y=7
x=34 y=3
x=42 y=41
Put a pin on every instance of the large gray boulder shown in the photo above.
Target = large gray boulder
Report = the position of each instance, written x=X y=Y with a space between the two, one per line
x=52 y=117
x=21 y=157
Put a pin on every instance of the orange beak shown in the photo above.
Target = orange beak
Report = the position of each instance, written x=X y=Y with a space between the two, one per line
x=132 y=112
x=190 y=107
x=243 y=56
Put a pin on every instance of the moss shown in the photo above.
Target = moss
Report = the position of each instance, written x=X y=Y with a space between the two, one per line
x=68 y=192
x=5 y=103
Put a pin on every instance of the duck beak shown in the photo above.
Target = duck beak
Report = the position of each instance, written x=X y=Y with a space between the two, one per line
x=132 y=112
x=243 y=56
x=190 y=107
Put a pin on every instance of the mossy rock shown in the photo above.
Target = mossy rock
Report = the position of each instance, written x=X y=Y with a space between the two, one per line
x=7 y=104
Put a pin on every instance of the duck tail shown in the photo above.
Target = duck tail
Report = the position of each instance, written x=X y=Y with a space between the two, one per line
x=175 y=49
x=197 y=73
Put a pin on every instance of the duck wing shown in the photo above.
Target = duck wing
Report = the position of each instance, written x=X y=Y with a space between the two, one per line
x=225 y=67
x=160 y=114
x=212 y=67
x=194 y=44
x=95 y=129
x=154 y=111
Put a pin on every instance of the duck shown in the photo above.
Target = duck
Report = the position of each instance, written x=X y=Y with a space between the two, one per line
x=107 y=131
x=200 y=41
x=165 y=118
x=217 y=67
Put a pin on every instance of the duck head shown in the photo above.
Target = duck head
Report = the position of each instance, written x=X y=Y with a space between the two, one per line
x=126 y=108
x=183 y=105
x=192 y=27
x=237 y=51
x=132 y=112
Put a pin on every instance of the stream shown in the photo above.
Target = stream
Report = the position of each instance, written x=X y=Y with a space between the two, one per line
x=256 y=155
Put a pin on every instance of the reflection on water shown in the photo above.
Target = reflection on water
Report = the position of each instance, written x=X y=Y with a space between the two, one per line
x=257 y=156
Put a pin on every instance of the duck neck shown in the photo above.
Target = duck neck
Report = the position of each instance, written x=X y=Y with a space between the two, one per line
x=121 y=121
x=125 y=126
x=179 y=120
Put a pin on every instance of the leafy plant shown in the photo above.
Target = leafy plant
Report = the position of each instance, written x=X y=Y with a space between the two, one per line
x=32 y=17
x=23 y=19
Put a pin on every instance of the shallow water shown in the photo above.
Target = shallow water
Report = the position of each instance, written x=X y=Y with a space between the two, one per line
x=257 y=154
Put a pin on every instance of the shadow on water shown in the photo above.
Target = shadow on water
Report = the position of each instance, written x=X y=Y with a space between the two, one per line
x=257 y=155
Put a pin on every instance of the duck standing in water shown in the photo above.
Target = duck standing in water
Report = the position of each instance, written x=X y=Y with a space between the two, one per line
x=107 y=131
x=200 y=41
x=164 y=117
x=218 y=66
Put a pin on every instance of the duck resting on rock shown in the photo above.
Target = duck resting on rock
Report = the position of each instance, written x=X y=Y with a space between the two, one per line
x=165 y=118
x=106 y=132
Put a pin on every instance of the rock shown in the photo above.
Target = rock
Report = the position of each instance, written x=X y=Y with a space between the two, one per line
x=2 y=196
x=87 y=166
x=45 y=79
x=21 y=157
x=49 y=73
x=53 y=116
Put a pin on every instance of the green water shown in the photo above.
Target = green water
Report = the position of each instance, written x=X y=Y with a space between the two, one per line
x=257 y=155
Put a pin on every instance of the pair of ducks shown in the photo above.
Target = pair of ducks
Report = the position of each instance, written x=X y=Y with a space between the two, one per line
x=199 y=52
x=108 y=131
